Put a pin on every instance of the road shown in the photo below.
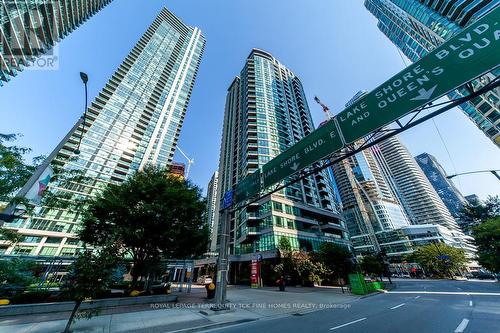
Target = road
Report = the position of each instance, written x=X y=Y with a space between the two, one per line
x=416 y=306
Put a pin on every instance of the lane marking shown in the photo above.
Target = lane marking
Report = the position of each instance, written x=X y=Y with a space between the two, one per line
x=463 y=325
x=444 y=293
x=398 y=306
x=417 y=297
x=470 y=303
x=349 y=323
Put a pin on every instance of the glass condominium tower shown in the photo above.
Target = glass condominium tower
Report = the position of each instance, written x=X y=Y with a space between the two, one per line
x=368 y=204
x=30 y=28
x=417 y=27
x=134 y=121
x=266 y=112
x=420 y=199
x=451 y=196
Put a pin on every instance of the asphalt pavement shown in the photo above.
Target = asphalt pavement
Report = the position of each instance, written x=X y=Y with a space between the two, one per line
x=415 y=306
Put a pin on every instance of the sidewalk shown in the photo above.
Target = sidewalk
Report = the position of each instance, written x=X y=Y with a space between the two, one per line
x=246 y=304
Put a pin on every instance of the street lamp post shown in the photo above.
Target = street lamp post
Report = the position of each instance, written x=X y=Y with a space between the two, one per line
x=8 y=214
x=85 y=79
x=493 y=172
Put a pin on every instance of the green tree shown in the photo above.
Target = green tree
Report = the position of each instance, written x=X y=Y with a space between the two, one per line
x=16 y=275
x=286 y=265
x=89 y=276
x=307 y=270
x=477 y=212
x=10 y=236
x=151 y=215
x=439 y=259
x=336 y=259
x=372 y=265
x=487 y=236
x=14 y=170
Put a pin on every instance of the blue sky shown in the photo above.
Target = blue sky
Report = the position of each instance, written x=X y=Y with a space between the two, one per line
x=335 y=48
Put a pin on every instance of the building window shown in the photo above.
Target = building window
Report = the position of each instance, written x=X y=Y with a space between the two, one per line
x=48 y=251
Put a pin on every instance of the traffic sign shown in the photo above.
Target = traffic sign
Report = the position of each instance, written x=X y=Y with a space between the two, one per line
x=443 y=257
x=228 y=199
x=467 y=55
x=314 y=147
x=248 y=187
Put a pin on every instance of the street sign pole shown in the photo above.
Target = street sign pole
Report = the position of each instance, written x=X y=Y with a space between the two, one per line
x=223 y=260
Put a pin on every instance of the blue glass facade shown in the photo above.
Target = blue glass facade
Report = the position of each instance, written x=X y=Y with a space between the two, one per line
x=418 y=27
x=450 y=195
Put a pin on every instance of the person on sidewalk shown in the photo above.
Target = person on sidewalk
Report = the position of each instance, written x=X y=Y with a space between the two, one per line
x=281 y=283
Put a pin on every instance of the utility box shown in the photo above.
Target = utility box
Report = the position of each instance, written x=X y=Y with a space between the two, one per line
x=358 y=284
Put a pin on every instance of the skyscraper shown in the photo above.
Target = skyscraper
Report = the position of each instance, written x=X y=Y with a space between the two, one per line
x=29 y=29
x=444 y=187
x=212 y=212
x=266 y=112
x=134 y=121
x=418 y=27
x=368 y=204
x=422 y=201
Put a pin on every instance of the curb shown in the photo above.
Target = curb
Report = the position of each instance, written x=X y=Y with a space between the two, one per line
x=212 y=326
x=377 y=292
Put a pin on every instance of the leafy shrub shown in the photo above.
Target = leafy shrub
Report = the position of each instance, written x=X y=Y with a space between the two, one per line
x=31 y=297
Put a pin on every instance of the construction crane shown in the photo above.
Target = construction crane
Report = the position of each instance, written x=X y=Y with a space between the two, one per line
x=357 y=188
x=189 y=161
x=326 y=110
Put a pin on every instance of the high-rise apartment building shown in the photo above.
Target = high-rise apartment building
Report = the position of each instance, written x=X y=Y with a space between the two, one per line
x=212 y=212
x=368 y=204
x=417 y=27
x=134 y=121
x=423 y=204
x=29 y=29
x=451 y=196
x=266 y=112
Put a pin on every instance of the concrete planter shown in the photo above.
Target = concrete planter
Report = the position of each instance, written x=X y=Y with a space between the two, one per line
x=26 y=309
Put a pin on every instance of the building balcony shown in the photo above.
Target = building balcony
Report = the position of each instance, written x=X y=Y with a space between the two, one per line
x=248 y=235
x=330 y=227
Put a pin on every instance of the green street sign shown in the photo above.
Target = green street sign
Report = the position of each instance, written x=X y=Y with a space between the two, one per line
x=317 y=145
x=247 y=187
x=467 y=55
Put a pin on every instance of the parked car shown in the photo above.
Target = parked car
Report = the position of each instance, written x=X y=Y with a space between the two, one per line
x=486 y=276
x=204 y=279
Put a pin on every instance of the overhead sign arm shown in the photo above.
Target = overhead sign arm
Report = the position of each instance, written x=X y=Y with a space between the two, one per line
x=339 y=156
x=464 y=57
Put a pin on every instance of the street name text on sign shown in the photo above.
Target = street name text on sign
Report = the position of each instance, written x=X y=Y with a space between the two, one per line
x=466 y=55
x=317 y=145
x=247 y=187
